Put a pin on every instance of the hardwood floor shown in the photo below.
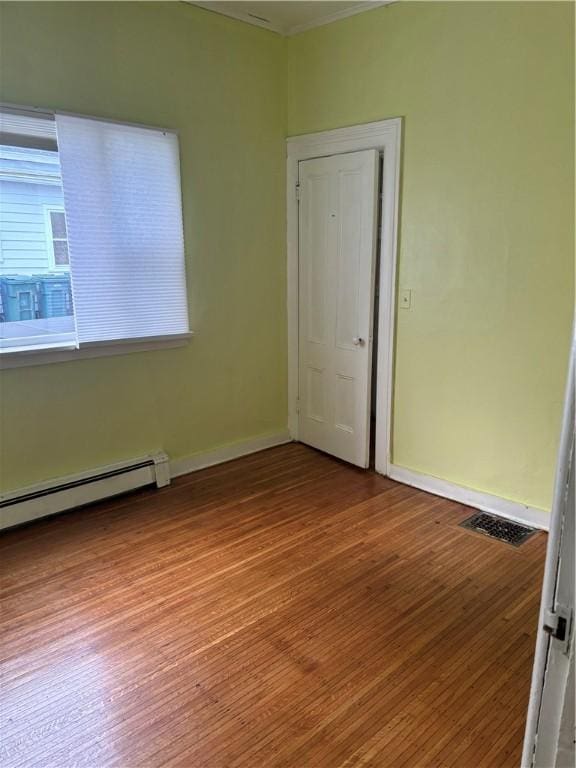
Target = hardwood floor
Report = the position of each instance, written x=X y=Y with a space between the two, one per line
x=280 y=610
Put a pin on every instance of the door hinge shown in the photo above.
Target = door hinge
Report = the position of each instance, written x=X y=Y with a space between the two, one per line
x=559 y=624
x=297 y=191
x=297 y=405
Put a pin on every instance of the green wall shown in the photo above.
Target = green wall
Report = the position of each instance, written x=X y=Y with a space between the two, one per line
x=221 y=85
x=486 y=237
x=486 y=240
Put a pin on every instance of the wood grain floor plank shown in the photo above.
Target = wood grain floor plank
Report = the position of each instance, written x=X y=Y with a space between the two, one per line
x=284 y=609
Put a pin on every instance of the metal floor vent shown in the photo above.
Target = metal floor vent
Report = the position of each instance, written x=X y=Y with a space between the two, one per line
x=498 y=528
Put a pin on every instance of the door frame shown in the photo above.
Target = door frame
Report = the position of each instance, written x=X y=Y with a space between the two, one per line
x=539 y=716
x=386 y=137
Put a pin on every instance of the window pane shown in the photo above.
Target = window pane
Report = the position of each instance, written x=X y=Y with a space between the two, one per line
x=61 y=253
x=36 y=306
x=53 y=331
x=58 y=224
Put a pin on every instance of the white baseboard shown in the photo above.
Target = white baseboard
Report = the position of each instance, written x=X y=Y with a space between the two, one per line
x=67 y=497
x=512 y=510
x=227 y=453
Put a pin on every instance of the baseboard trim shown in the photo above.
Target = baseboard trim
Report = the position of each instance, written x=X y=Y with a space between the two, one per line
x=199 y=461
x=512 y=510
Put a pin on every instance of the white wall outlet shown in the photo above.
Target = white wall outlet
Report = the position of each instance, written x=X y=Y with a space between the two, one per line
x=406 y=298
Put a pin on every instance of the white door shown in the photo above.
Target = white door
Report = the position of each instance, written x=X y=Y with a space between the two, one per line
x=549 y=740
x=337 y=256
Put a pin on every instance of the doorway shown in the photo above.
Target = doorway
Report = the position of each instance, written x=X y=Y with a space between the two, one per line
x=337 y=224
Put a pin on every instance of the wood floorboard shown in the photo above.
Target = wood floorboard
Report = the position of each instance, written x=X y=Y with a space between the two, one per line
x=284 y=610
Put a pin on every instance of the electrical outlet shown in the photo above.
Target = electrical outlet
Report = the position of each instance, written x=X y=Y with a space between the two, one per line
x=406 y=298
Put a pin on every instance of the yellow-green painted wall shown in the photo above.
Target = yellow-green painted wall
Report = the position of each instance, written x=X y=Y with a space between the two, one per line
x=487 y=236
x=221 y=85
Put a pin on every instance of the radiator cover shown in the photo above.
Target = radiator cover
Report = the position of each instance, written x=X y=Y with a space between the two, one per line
x=64 y=493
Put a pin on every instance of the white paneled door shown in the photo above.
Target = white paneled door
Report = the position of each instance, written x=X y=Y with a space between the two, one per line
x=338 y=198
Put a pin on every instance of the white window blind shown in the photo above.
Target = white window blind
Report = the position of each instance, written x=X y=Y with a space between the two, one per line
x=124 y=225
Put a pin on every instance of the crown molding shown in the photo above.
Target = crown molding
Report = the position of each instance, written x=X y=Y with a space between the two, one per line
x=258 y=21
x=370 y=5
x=247 y=18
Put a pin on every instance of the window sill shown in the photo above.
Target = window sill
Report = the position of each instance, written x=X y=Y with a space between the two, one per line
x=25 y=358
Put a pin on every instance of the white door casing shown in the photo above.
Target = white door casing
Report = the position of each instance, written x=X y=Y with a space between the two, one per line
x=549 y=737
x=338 y=216
x=386 y=137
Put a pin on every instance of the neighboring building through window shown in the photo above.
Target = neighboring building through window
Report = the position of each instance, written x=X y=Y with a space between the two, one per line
x=36 y=308
x=30 y=190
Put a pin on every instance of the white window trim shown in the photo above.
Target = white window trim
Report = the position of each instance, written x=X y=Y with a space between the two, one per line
x=48 y=209
x=56 y=354
x=385 y=136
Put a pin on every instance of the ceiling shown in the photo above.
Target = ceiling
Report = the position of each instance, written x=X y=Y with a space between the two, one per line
x=287 y=17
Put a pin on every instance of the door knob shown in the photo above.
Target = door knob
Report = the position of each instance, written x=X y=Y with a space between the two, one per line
x=358 y=341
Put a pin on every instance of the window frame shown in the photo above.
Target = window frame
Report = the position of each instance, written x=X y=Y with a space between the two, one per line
x=50 y=238
x=64 y=352
x=58 y=354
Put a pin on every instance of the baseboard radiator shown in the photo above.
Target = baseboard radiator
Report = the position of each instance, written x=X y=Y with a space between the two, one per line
x=54 y=496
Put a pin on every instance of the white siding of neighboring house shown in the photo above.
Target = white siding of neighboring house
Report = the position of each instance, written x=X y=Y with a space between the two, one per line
x=24 y=240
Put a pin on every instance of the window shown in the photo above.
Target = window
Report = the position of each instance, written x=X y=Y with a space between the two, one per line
x=58 y=242
x=36 y=308
x=91 y=243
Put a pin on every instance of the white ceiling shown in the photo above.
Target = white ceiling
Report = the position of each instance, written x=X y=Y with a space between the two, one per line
x=287 y=17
